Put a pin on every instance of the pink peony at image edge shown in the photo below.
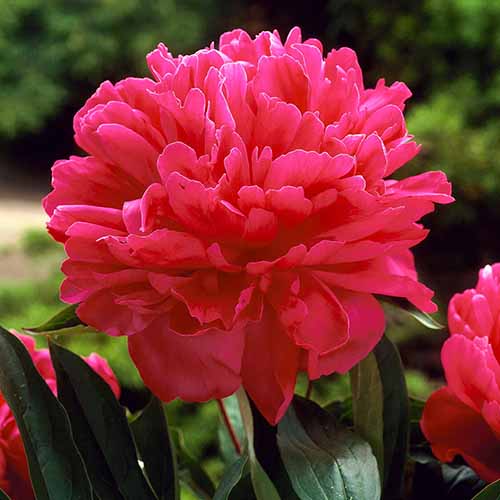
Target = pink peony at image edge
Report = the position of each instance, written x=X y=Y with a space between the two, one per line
x=463 y=418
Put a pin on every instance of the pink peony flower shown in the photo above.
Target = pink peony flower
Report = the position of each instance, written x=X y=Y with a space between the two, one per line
x=234 y=216
x=14 y=473
x=463 y=418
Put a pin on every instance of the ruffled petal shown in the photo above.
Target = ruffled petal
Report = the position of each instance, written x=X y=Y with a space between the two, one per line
x=366 y=325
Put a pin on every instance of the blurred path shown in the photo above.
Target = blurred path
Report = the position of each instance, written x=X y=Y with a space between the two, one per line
x=18 y=214
x=19 y=211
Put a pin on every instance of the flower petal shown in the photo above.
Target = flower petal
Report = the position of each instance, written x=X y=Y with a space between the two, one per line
x=193 y=368
x=453 y=428
x=269 y=367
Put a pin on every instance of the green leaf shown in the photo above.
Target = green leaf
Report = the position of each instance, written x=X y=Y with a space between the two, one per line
x=232 y=476
x=404 y=305
x=65 y=322
x=491 y=492
x=101 y=478
x=56 y=468
x=268 y=454
x=226 y=445
x=381 y=413
x=342 y=411
x=93 y=402
x=190 y=471
x=324 y=459
x=4 y=496
x=417 y=438
x=66 y=318
x=153 y=441
x=263 y=487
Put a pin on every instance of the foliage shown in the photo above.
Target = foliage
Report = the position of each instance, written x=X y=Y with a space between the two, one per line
x=36 y=242
x=54 y=52
x=355 y=448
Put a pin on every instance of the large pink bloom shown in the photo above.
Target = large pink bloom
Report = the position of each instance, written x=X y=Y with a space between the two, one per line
x=463 y=418
x=14 y=473
x=234 y=217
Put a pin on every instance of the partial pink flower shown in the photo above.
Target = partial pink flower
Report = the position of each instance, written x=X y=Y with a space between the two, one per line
x=14 y=473
x=463 y=418
x=235 y=218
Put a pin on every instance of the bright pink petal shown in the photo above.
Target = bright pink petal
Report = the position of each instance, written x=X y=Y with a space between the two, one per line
x=282 y=77
x=269 y=367
x=307 y=169
x=431 y=186
x=471 y=369
x=193 y=368
x=366 y=325
x=385 y=277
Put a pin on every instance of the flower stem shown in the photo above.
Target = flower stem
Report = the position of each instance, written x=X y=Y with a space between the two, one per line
x=229 y=426
x=309 y=389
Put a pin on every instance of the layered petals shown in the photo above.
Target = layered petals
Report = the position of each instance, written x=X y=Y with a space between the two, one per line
x=236 y=209
x=463 y=418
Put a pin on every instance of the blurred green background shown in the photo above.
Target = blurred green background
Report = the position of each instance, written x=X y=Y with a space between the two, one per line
x=53 y=53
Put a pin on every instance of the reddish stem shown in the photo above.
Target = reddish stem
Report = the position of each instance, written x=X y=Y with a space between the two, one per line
x=229 y=427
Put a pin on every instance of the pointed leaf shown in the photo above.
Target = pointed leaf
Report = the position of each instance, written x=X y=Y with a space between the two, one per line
x=155 y=447
x=106 y=420
x=56 y=467
x=190 y=471
x=404 y=305
x=381 y=413
x=268 y=454
x=324 y=459
x=103 y=482
x=491 y=492
x=263 y=487
x=232 y=476
x=66 y=318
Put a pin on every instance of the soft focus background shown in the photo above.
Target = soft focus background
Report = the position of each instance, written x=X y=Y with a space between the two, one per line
x=54 y=53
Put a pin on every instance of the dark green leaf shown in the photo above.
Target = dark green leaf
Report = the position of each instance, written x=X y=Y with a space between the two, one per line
x=381 y=414
x=190 y=471
x=268 y=454
x=263 y=487
x=244 y=489
x=324 y=459
x=101 y=478
x=232 y=476
x=106 y=420
x=66 y=318
x=342 y=411
x=56 y=467
x=433 y=479
x=155 y=447
x=4 y=496
x=425 y=319
x=491 y=492
x=417 y=439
